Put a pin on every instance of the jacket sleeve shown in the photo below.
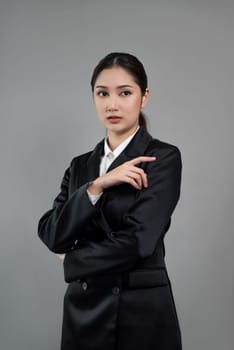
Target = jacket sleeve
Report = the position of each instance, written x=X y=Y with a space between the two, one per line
x=62 y=225
x=143 y=224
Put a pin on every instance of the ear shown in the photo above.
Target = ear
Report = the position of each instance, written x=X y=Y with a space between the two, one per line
x=145 y=98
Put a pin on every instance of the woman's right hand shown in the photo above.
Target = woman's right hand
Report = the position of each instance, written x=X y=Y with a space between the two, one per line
x=127 y=172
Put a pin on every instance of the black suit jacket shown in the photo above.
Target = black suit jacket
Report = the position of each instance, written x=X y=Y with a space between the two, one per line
x=120 y=238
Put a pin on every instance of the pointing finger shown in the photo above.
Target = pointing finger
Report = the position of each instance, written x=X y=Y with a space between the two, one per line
x=142 y=159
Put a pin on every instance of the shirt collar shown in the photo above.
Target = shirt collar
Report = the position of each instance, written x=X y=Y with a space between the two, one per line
x=120 y=148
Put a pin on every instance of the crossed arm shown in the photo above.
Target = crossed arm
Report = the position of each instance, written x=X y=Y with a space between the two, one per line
x=143 y=224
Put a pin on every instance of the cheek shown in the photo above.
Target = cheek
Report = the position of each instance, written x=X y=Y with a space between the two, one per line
x=99 y=105
x=135 y=105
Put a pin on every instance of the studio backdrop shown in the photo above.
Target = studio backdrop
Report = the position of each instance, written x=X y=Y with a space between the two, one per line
x=48 y=51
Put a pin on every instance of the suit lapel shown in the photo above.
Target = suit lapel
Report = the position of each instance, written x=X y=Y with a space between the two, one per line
x=135 y=148
x=93 y=163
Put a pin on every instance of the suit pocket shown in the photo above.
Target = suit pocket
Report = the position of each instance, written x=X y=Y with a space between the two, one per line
x=147 y=278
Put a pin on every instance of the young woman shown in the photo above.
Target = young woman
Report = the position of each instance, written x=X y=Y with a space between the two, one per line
x=109 y=220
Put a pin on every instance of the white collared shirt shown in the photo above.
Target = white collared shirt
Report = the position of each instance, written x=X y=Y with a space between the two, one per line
x=107 y=160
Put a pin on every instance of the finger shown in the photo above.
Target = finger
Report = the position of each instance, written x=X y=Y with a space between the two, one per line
x=145 y=180
x=132 y=182
x=142 y=174
x=136 y=177
x=142 y=159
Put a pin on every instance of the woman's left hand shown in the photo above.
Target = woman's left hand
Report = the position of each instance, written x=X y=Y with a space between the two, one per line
x=61 y=256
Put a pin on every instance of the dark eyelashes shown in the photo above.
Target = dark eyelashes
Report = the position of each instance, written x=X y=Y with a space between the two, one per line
x=122 y=93
x=102 y=93
x=126 y=93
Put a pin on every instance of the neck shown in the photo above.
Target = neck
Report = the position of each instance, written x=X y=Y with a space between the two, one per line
x=115 y=139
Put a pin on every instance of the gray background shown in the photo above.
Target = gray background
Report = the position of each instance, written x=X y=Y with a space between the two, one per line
x=48 y=51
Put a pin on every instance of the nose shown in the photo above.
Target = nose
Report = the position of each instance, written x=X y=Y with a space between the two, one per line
x=112 y=104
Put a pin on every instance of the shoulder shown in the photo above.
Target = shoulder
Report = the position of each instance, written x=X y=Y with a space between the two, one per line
x=161 y=148
x=83 y=159
x=168 y=155
x=168 y=163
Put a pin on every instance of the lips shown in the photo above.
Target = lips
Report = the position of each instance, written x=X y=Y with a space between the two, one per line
x=114 y=118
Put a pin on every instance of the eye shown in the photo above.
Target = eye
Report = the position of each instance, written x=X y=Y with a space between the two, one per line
x=125 y=93
x=102 y=93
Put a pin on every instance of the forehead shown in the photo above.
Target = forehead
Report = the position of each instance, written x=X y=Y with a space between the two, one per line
x=115 y=76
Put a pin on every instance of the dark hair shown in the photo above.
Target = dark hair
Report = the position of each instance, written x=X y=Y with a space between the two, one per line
x=132 y=65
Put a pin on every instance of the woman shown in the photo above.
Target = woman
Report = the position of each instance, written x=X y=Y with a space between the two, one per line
x=109 y=220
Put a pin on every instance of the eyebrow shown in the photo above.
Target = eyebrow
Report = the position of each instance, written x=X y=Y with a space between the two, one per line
x=118 y=87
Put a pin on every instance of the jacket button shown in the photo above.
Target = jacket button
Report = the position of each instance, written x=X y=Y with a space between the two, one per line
x=112 y=234
x=84 y=285
x=116 y=290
